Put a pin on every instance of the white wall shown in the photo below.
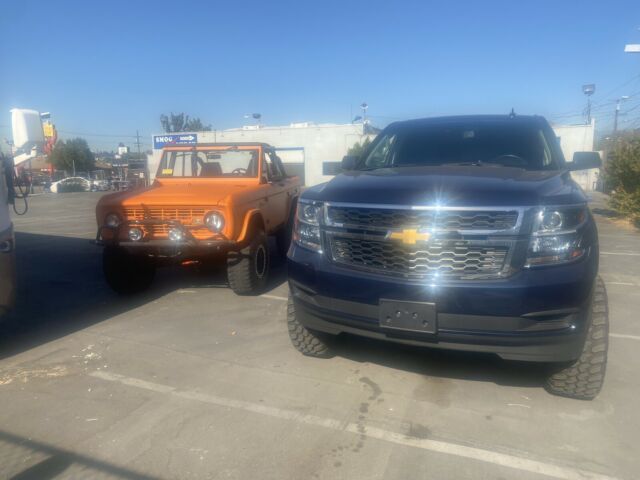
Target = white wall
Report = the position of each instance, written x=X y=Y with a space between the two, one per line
x=578 y=138
x=315 y=144
x=308 y=142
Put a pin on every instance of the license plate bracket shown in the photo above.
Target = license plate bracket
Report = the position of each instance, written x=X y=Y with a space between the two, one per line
x=408 y=316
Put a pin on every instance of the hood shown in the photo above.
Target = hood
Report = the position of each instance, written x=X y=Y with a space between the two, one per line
x=178 y=193
x=453 y=185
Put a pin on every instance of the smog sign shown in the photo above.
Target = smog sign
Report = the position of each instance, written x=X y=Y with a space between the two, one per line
x=160 y=141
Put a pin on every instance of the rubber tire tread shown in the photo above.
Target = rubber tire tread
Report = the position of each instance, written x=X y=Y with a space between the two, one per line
x=307 y=342
x=240 y=272
x=584 y=379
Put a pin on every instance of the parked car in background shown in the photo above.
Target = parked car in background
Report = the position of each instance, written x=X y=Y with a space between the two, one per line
x=80 y=184
x=100 y=185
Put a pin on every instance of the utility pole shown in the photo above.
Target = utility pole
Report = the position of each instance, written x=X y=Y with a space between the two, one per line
x=617 y=113
x=146 y=167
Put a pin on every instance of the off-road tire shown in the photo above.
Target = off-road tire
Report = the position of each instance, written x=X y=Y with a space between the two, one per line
x=307 y=342
x=127 y=274
x=248 y=269
x=584 y=378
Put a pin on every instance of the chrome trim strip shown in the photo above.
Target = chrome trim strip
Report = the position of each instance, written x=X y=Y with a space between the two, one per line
x=505 y=272
x=509 y=231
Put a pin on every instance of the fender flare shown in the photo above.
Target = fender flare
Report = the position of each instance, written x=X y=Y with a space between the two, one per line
x=253 y=215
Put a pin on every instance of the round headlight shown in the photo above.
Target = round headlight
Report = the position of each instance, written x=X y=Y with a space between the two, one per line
x=135 y=234
x=214 y=221
x=310 y=213
x=112 y=220
x=552 y=220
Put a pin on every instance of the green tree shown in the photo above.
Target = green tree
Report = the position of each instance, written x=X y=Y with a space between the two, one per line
x=357 y=149
x=180 y=122
x=72 y=155
x=622 y=174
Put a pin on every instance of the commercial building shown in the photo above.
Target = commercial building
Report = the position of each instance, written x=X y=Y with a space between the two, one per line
x=314 y=151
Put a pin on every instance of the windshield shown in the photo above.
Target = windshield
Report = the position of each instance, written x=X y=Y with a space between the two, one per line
x=434 y=145
x=210 y=163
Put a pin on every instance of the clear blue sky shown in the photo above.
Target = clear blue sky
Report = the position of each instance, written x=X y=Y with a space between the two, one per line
x=113 y=67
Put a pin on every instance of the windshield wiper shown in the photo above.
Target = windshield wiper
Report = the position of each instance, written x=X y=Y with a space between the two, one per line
x=477 y=163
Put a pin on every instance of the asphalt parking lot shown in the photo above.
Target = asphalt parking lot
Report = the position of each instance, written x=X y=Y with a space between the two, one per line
x=191 y=381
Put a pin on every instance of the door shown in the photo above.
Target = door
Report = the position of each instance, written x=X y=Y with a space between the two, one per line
x=279 y=191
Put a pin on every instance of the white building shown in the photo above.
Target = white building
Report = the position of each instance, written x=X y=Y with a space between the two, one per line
x=578 y=138
x=122 y=149
x=314 y=151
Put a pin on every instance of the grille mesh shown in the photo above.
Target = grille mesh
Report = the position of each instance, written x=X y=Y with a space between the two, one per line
x=188 y=216
x=164 y=213
x=452 y=259
x=372 y=218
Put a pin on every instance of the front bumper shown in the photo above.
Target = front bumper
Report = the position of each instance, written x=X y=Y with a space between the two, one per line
x=534 y=315
x=188 y=246
x=7 y=273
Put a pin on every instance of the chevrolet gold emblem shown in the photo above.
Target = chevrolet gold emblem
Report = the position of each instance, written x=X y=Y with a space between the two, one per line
x=410 y=236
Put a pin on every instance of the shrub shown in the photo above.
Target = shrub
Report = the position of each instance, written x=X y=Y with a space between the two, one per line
x=622 y=175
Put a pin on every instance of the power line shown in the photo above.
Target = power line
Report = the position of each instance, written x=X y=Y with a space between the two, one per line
x=66 y=132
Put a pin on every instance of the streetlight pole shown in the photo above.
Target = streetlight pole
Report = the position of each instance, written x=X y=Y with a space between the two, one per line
x=589 y=90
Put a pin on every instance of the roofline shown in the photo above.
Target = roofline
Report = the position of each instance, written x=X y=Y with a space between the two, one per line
x=221 y=144
x=471 y=117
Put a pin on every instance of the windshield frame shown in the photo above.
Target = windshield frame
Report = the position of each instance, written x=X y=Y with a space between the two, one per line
x=212 y=148
x=539 y=125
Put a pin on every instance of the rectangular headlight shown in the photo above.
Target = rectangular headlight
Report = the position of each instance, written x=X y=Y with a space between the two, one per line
x=555 y=238
x=306 y=232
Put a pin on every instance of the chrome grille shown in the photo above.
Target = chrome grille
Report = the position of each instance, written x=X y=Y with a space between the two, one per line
x=191 y=217
x=390 y=218
x=458 y=259
x=183 y=214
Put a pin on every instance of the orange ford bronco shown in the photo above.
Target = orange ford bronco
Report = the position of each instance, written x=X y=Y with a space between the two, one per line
x=207 y=201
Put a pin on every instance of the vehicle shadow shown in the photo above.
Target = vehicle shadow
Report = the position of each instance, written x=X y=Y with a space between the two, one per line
x=446 y=364
x=61 y=289
x=50 y=462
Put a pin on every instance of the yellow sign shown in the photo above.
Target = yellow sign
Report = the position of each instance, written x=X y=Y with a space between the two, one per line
x=48 y=129
x=409 y=236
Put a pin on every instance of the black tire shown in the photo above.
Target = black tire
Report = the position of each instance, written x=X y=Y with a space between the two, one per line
x=307 y=342
x=248 y=269
x=584 y=378
x=125 y=273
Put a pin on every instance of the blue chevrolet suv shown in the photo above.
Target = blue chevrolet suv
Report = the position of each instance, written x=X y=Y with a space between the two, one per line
x=464 y=233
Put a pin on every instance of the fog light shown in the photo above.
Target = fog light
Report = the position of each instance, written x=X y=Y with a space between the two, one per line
x=135 y=234
x=175 y=234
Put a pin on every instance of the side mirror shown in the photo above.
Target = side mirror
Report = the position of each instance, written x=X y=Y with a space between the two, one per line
x=585 y=161
x=349 y=162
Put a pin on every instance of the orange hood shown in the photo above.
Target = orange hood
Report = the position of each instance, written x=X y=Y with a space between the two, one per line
x=183 y=192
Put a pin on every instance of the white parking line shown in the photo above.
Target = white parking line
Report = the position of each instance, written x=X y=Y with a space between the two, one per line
x=624 y=335
x=630 y=254
x=479 y=454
